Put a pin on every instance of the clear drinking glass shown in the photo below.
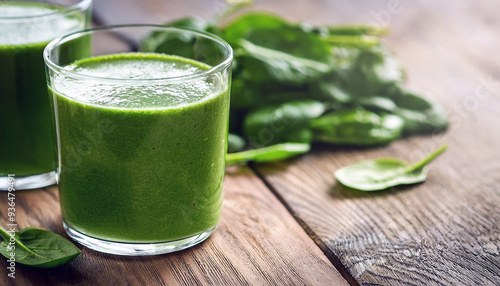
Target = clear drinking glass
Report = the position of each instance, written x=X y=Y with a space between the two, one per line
x=27 y=140
x=142 y=135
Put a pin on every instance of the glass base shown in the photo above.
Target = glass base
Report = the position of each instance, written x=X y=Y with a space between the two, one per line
x=29 y=182
x=136 y=249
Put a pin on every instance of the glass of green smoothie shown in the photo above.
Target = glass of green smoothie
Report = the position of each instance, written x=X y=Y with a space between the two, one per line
x=27 y=140
x=142 y=136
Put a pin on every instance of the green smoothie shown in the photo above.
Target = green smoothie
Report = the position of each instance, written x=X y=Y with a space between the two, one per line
x=27 y=143
x=143 y=161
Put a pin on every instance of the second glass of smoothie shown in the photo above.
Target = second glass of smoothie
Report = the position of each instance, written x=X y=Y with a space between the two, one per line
x=27 y=141
x=141 y=136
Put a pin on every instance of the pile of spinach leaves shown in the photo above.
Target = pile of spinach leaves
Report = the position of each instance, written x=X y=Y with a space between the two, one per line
x=296 y=83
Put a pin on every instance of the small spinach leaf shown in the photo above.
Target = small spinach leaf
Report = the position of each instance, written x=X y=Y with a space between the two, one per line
x=330 y=91
x=371 y=72
x=245 y=94
x=269 y=154
x=357 y=30
x=178 y=43
x=377 y=103
x=286 y=96
x=287 y=122
x=240 y=27
x=353 y=41
x=351 y=30
x=357 y=127
x=380 y=174
x=38 y=248
x=293 y=41
x=419 y=113
x=264 y=65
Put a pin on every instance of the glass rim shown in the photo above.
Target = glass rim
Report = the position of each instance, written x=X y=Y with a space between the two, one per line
x=213 y=70
x=80 y=6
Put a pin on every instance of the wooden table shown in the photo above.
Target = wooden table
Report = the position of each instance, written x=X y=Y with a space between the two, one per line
x=291 y=223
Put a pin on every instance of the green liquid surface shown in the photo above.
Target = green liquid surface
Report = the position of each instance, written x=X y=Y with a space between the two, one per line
x=27 y=143
x=141 y=161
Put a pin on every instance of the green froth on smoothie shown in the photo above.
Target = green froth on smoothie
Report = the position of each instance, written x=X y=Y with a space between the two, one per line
x=23 y=9
x=140 y=173
x=142 y=92
x=47 y=23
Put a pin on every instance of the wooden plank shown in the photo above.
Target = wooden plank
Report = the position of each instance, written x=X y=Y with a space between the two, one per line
x=257 y=243
x=442 y=232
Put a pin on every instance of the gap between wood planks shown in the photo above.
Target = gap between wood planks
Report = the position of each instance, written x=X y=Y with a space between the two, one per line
x=327 y=251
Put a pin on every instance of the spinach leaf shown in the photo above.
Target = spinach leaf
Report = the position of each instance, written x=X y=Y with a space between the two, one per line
x=265 y=64
x=278 y=66
x=352 y=41
x=357 y=127
x=293 y=41
x=351 y=30
x=240 y=27
x=380 y=174
x=357 y=30
x=269 y=154
x=235 y=143
x=288 y=122
x=245 y=94
x=180 y=44
x=372 y=72
x=286 y=96
x=377 y=103
x=287 y=55
x=330 y=91
x=38 y=248
x=420 y=114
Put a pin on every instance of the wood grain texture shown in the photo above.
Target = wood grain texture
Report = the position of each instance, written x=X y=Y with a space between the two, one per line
x=442 y=232
x=257 y=243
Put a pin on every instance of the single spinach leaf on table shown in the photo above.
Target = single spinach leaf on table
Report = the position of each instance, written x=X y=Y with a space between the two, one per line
x=287 y=122
x=38 y=248
x=380 y=174
x=269 y=154
x=356 y=127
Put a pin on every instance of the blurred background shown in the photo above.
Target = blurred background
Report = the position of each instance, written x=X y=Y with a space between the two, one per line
x=447 y=47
